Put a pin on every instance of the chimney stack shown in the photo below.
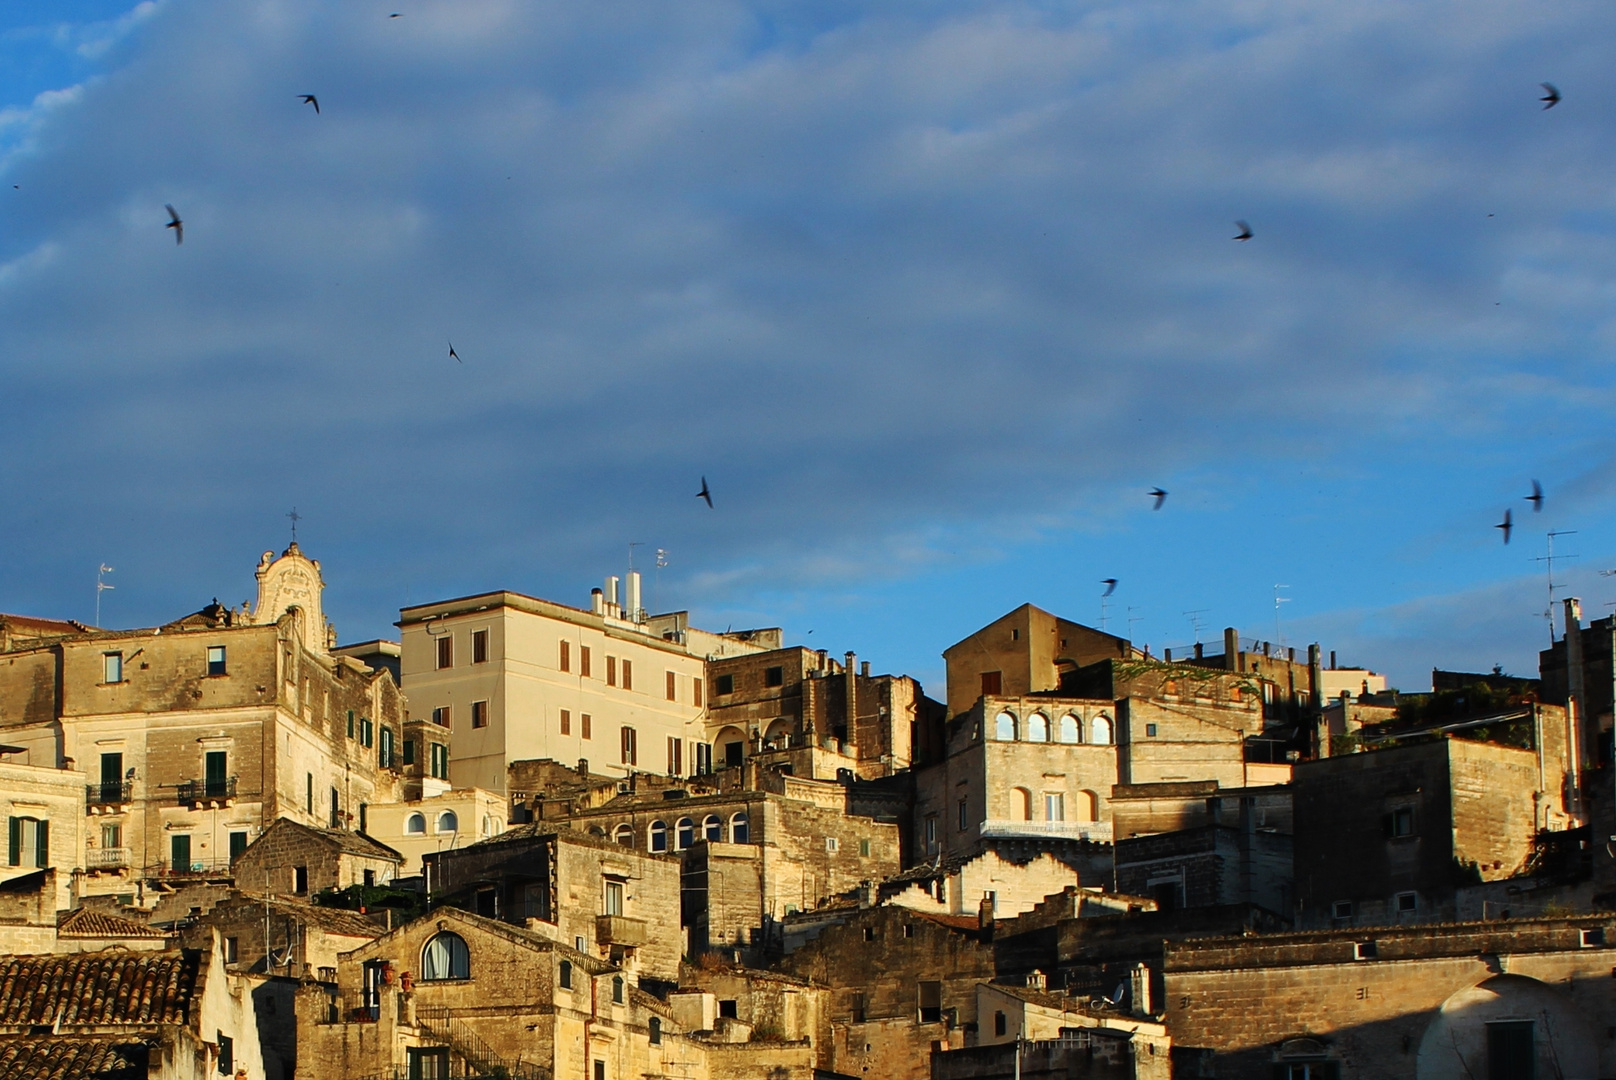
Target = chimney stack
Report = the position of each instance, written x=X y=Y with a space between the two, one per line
x=1575 y=699
x=1231 y=650
x=634 y=613
x=613 y=608
x=597 y=602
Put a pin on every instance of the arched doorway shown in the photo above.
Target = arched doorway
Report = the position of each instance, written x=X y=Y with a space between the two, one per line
x=1502 y=1021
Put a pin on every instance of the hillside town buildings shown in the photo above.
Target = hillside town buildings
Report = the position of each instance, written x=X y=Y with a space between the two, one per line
x=535 y=841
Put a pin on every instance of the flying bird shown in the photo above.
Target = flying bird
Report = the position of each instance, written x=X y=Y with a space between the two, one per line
x=310 y=99
x=705 y=494
x=454 y=354
x=1552 y=98
x=1110 y=584
x=1245 y=231
x=1159 y=495
x=176 y=224
x=1536 y=498
x=1507 y=525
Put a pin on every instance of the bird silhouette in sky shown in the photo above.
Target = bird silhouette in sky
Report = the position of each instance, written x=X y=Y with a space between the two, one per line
x=176 y=224
x=1110 y=584
x=1245 y=231
x=1159 y=495
x=454 y=354
x=1508 y=525
x=1552 y=98
x=705 y=494
x=1536 y=498
x=310 y=99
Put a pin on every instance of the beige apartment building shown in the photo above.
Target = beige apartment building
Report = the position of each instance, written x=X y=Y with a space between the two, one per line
x=518 y=678
x=188 y=739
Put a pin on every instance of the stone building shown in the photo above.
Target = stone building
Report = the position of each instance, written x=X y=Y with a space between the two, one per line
x=812 y=716
x=170 y=1015
x=418 y=826
x=1022 y=653
x=1128 y=1043
x=1390 y=835
x=456 y=993
x=516 y=677
x=1209 y=865
x=986 y=884
x=617 y=903
x=292 y=859
x=1516 y=998
x=195 y=735
x=903 y=984
x=44 y=811
x=1141 y=809
x=271 y=936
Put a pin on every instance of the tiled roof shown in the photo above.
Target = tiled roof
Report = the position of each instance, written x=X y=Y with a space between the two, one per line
x=97 y=989
x=31 y=624
x=100 y=924
x=352 y=843
x=72 y=1059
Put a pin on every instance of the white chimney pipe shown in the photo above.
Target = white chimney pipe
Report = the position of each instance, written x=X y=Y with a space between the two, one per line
x=611 y=593
x=597 y=602
x=634 y=595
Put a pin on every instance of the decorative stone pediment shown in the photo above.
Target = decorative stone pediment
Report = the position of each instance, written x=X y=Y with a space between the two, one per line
x=292 y=583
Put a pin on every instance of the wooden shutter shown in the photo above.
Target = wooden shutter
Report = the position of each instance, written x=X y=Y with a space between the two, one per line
x=42 y=844
x=16 y=842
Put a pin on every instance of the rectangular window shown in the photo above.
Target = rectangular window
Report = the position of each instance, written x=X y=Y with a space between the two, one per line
x=831 y=844
x=931 y=834
x=440 y=761
x=227 y=1055
x=566 y=722
x=409 y=751
x=611 y=671
x=308 y=799
x=1054 y=806
x=614 y=898
x=336 y=809
x=600 y=1070
x=566 y=656
x=441 y=716
x=673 y=687
x=238 y=844
x=964 y=821
x=992 y=683
x=367 y=732
x=695 y=692
x=630 y=746
x=479 y=646
x=583 y=725
x=232 y=950
x=300 y=880
x=111 y=836
x=351 y=721
x=112 y=783
x=30 y=842
x=1408 y=904
x=216 y=773
x=724 y=685
x=704 y=758
x=479 y=714
x=583 y=661
x=445 y=652
x=774 y=676
x=1150 y=729
x=864 y=849
x=676 y=756
x=1341 y=910
x=931 y=1002
x=628 y=674
x=112 y=667
x=1401 y=822
x=216 y=664
x=384 y=752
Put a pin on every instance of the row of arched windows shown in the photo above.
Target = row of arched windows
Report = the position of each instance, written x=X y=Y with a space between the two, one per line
x=1007 y=727
x=661 y=838
x=448 y=821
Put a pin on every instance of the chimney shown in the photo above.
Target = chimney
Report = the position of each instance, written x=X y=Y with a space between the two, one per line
x=1231 y=650
x=1316 y=697
x=1575 y=700
x=1139 y=984
x=1290 y=654
x=850 y=717
x=613 y=608
x=634 y=595
x=1035 y=980
x=1199 y=651
x=1167 y=654
x=597 y=602
x=1332 y=659
x=984 y=911
x=822 y=655
x=867 y=893
x=583 y=767
x=864 y=669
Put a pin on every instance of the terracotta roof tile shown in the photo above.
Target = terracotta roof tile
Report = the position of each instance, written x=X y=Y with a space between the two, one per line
x=97 y=989
x=99 y=924
x=72 y=1059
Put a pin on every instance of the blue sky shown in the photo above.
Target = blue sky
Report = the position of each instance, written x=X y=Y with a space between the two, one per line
x=931 y=293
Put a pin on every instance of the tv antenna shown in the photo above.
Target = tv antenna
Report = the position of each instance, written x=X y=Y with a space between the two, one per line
x=656 y=577
x=1278 y=600
x=1132 y=618
x=101 y=587
x=1105 y=609
x=1195 y=621
x=1548 y=560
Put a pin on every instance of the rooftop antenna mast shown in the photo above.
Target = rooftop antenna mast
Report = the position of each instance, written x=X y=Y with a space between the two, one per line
x=1278 y=600
x=1105 y=610
x=101 y=587
x=1132 y=618
x=1548 y=560
x=1195 y=621
x=656 y=578
x=634 y=616
x=296 y=517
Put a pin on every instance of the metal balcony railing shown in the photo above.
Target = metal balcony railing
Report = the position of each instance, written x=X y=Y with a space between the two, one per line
x=110 y=858
x=192 y=791
x=108 y=792
x=197 y=868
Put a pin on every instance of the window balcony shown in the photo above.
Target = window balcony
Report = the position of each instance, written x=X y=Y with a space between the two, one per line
x=1099 y=831
x=108 y=794
x=107 y=859
x=621 y=930
x=213 y=793
x=204 y=869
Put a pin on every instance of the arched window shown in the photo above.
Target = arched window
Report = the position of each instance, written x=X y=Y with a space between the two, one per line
x=1100 y=730
x=566 y=974
x=713 y=827
x=1037 y=728
x=1021 y=803
x=596 y=830
x=655 y=1027
x=445 y=957
x=447 y=822
x=624 y=834
x=659 y=836
x=1070 y=729
x=488 y=824
x=687 y=833
x=415 y=823
x=1004 y=727
x=739 y=829
x=1088 y=804
x=617 y=989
